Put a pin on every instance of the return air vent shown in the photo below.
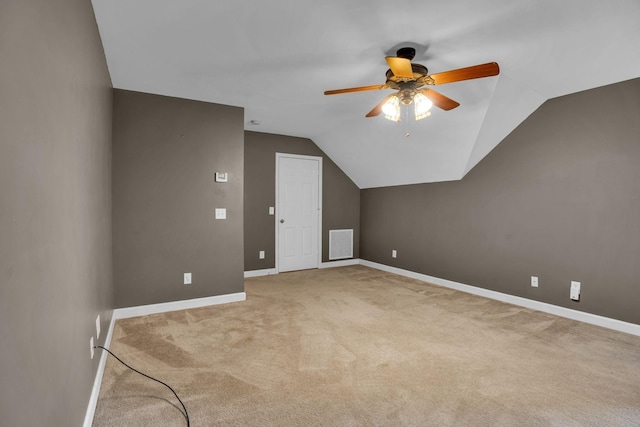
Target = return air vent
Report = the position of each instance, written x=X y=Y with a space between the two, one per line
x=340 y=244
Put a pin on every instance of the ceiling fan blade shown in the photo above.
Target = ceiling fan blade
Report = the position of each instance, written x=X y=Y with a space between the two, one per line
x=439 y=100
x=378 y=108
x=400 y=67
x=355 y=89
x=468 y=73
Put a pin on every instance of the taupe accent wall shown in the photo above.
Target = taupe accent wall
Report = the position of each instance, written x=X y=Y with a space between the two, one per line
x=55 y=209
x=340 y=198
x=559 y=198
x=165 y=154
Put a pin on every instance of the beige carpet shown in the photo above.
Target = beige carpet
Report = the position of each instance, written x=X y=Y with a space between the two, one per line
x=355 y=346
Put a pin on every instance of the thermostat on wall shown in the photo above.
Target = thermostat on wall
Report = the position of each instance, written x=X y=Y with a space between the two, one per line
x=221 y=177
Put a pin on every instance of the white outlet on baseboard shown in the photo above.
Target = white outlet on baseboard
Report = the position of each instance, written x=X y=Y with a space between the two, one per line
x=261 y=255
x=187 y=278
x=98 y=327
x=394 y=253
x=91 y=346
x=534 y=281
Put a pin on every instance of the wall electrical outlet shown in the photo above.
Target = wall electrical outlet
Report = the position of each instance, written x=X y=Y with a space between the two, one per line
x=91 y=346
x=261 y=255
x=575 y=291
x=187 y=278
x=534 y=281
x=394 y=253
x=272 y=210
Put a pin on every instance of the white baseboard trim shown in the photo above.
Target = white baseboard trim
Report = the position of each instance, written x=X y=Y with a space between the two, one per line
x=330 y=264
x=143 y=310
x=258 y=273
x=97 y=382
x=594 y=319
x=341 y=263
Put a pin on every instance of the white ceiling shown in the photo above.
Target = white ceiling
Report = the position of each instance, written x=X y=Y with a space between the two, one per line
x=276 y=58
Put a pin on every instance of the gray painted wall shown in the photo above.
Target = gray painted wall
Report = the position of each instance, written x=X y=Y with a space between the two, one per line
x=55 y=209
x=559 y=198
x=165 y=154
x=340 y=200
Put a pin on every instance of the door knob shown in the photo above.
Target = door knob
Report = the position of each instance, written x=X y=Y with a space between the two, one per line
x=282 y=221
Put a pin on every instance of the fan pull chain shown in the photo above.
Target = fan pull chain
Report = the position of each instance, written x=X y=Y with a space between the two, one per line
x=407 y=134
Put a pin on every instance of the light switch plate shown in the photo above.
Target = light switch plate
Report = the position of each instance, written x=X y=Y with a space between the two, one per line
x=272 y=210
x=534 y=281
x=222 y=177
x=261 y=255
x=221 y=213
x=187 y=278
x=98 y=327
x=91 y=346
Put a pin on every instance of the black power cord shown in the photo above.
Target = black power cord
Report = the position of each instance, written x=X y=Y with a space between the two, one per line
x=186 y=415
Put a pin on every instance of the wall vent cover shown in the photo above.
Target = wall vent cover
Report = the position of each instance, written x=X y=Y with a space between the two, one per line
x=340 y=244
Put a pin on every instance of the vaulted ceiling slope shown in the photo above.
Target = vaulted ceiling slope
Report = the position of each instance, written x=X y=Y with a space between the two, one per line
x=276 y=58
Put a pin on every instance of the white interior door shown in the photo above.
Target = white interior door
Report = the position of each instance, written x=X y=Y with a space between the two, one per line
x=298 y=214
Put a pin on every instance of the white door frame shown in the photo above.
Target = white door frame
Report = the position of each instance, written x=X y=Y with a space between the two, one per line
x=277 y=220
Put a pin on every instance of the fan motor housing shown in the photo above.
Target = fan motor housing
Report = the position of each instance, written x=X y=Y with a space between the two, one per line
x=419 y=72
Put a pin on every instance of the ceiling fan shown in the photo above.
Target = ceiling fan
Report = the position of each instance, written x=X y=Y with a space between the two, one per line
x=408 y=80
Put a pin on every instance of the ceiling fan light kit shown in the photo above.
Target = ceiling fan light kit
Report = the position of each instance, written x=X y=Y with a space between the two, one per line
x=421 y=105
x=408 y=80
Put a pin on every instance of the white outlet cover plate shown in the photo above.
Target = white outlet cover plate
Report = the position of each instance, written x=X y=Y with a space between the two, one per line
x=534 y=281
x=261 y=254
x=221 y=213
x=575 y=291
x=394 y=253
x=272 y=210
x=91 y=346
x=187 y=278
